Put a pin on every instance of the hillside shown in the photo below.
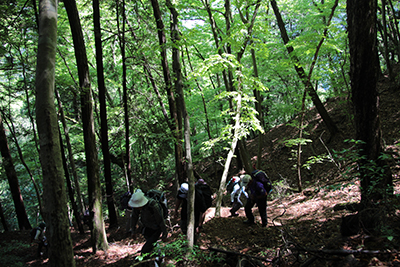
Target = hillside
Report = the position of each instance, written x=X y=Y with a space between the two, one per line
x=303 y=228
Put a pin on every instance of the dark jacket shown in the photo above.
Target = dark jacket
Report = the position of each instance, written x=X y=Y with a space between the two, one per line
x=150 y=216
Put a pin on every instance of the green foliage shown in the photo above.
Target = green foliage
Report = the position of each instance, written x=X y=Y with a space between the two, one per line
x=357 y=165
x=12 y=259
x=178 y=251
x=292 y=143
x=297 y=141
x=280 y=189
x=316 y=159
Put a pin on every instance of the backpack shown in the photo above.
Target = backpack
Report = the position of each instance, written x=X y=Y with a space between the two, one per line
x=124 y=199
x=160 y=198
x=32 y=233
x=263 y=178
x=231 y=184
x=203 y=197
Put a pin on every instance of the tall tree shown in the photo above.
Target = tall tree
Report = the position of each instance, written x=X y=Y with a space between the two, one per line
x=103 y=116
x=330 y=124
x=12 y=178
x=79 y=200
x=178 y=84
x=54 y=196
x=176 y=117
x=376 y=180
x=122 y=44
x=98 y=232
x=28 y=170
x=71 y=191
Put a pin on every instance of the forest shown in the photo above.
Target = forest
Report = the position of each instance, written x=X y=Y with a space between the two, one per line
x=99 y=98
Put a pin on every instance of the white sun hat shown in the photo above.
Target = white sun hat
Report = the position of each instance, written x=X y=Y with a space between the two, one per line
x=138 y=200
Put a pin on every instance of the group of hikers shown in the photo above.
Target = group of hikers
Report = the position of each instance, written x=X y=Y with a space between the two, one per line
x=149 y=210
x=145 y=211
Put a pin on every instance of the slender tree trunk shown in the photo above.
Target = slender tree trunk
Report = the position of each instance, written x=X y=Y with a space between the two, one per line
x=28 y=170
x=249 y=22
x=208 y=127
x=125 y=98
x=299 y=148
x=182 y=106
x=258 y=107
x=28 y=103
x=54 y=197
x=385 y=40
x=175 y=117
x=79 y=199
x=77 y=213
x=121 y=35
x=364 y=71
x=222 y=185
x=157 y=92
x=98 y=235
x=12 y=178
x=103 y=117
x=3 y=219
x=395 y=28
x=303 y=76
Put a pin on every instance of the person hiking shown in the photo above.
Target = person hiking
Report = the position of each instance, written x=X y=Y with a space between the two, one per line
x=237 y=191
x=38 y=234
x=207 y=198
x=151 y=218
x=181 y=202
x=258 y=195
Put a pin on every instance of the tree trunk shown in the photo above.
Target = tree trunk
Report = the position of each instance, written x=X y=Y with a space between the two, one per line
x=208 y=126
x=249 y=22
x=175 y=117
x=54 y=197
x=12 y=178
x=98 y=234
x=71 y=192
x=3 y=219
x=125 y=97
x=222 y=185
x=21 y=158
x=28 y=102
x=103 y=117
x=332 y=128
x=395 y=28
x=177 y=69
x=260 y=112
x=385 y=40
x=364 y=71
x=79 y=199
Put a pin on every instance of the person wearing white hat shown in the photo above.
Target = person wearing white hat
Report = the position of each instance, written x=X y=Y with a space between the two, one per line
x=151 y=217
x=181 y=201
x=237 y=191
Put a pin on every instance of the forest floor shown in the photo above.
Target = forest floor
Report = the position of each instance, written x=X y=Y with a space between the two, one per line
x=303 y=228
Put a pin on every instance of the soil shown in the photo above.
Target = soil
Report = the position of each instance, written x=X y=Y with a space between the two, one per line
x=303 y=228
